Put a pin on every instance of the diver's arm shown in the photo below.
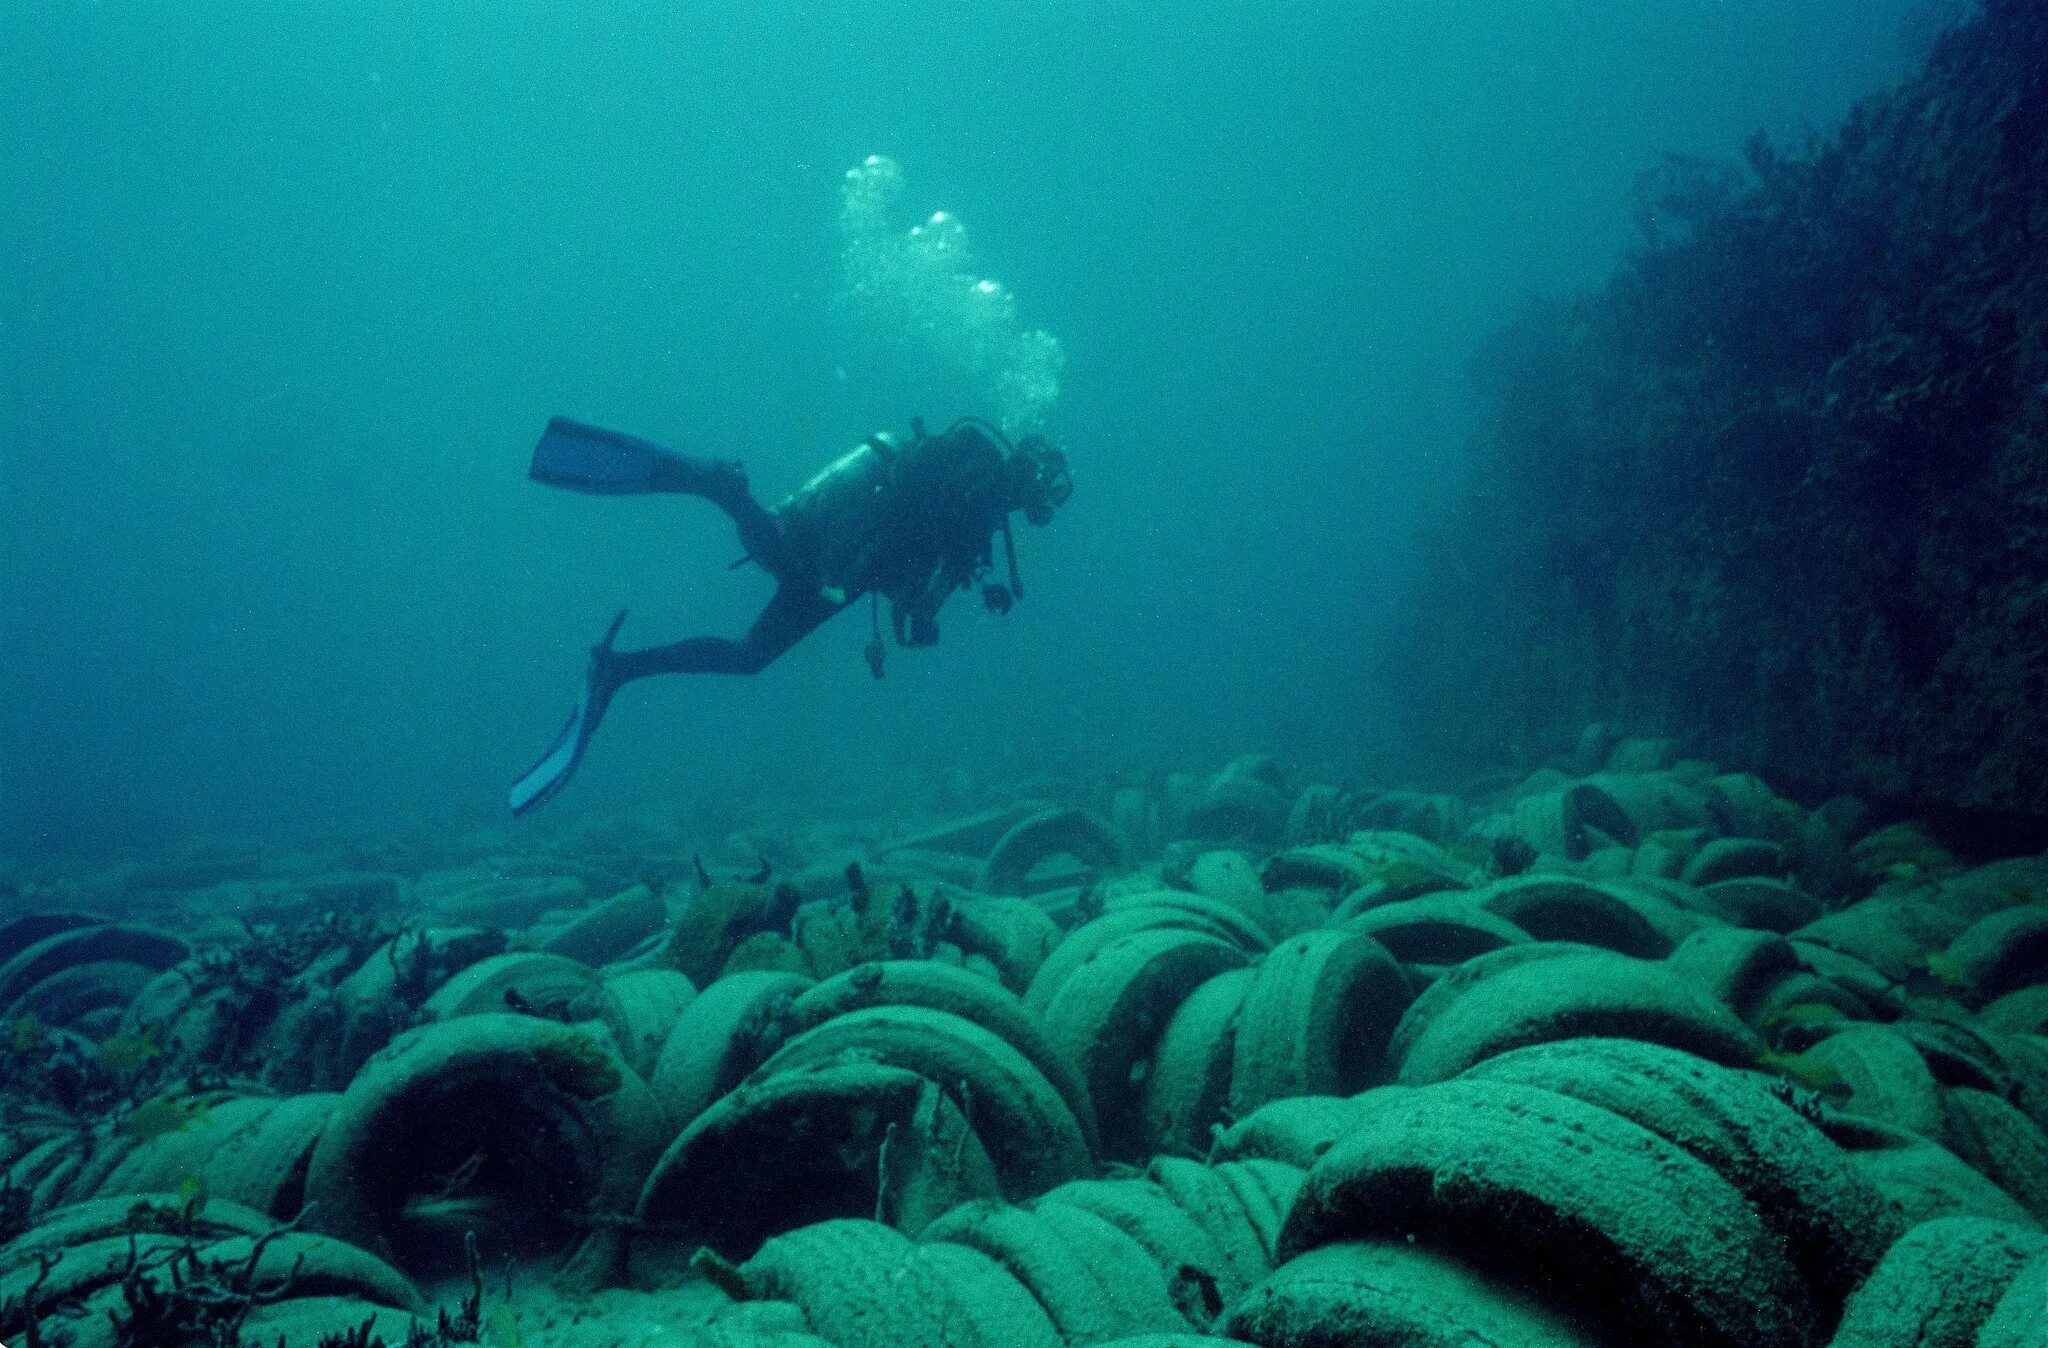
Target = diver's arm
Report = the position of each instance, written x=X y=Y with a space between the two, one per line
x=916 y=614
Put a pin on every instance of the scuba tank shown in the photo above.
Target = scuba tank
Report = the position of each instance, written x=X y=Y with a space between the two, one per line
x=836 y=520
x=888 y=504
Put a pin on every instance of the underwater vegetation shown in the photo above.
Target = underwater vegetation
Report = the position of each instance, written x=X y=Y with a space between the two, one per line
x=1626 y=1050
x=1781 y=488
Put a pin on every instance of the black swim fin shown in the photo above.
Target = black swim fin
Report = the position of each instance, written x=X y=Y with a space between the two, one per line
x=591 y=459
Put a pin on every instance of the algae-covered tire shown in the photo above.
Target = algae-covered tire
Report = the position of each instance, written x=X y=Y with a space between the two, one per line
x=1886 y=1077
x=1891 y=935
x=78 y=990
x=642 y=1007
x=1000 y=1311
x=1296 y=1130
x=163 y=1162
x=1187 y=1093
x=264 y=1165
x=2015 y=1322
x=1744 y=806
x=59 y=1185
x=528 y=1119
x=122 y=1216
x=610 y=930
x=1548 y=822
x=1851 y=974
x=1236 y=806
x=1110 y=1012
x=44 y=1168
x=2026 y=1058
x=1558 y=908
x=118 y=942
x=1369 y=1294
x=1029 y=1132
x=409 y=967
x=1596 y=994
x=1923 y=1180
x=857 y=1284
x=525 y=981
x=1325 y=866
x=1316 y=1019
x=85 y=1280
x=322 y=1319
x=18 y=934
x=252 y=1151
x=1213 y=1204
x=1633 y=805
x=1054 y=832
x=477 y=899
x=1013 y=934
x=1451 y=985
x=1141 y=1291
x=842 y=1138
x=1961 y=1055
x=1667 y=906
x=2000 y=952
x=1188 y=1340
x=1835 y=1225
x=1734 y=967
x=73 y=1276
x=110 y=1148
x=1088 y=940
x=945 y=987
x=318 y=1266
x=1435 y=929
x=1734 y=859
x=1938 y=1285
x=1094 y=1282
x=1147 y=1214
x=1266 y=1190
x=767 y=1323
x=1564 y=1192
x=1760 y=902
x=1796 y=1008
x=864 y=1285
x=1228 y=918
x=2021 y=1011
x=2000 y=1142
x=725 y=1032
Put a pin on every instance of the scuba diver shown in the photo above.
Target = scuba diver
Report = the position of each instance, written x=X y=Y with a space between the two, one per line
x=909 y=521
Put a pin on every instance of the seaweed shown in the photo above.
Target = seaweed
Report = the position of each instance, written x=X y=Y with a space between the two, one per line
x=24 y=1315
x=177 y=1295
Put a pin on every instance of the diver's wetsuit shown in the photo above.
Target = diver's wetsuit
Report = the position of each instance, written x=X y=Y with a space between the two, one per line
x=911 y=522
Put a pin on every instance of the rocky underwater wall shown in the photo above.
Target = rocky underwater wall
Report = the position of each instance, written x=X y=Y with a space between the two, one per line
x=1780 y=489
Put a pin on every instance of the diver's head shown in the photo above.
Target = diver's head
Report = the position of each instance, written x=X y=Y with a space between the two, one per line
x=1039 y=481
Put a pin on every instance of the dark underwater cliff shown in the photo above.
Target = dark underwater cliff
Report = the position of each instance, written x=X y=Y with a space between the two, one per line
x=1780 y=489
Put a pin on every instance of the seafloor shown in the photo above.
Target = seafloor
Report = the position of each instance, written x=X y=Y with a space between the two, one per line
x=1630 y=1052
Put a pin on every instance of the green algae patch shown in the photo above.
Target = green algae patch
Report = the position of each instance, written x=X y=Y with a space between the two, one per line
x=578 y=1065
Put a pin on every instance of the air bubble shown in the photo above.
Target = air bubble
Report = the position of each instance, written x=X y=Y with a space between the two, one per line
x=914 y=295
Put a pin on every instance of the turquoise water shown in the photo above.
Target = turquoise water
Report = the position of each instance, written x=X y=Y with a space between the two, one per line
x=289 y=292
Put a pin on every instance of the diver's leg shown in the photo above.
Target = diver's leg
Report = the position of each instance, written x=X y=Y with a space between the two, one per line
x=791 y=615
x=581 y=457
